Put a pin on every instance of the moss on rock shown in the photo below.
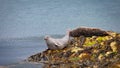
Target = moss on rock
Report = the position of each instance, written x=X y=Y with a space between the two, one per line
x=89 y=52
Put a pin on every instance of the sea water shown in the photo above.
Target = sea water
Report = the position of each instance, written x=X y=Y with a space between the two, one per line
x=16 y=50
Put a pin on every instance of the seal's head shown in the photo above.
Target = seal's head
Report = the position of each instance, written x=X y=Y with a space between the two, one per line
x=46 y=37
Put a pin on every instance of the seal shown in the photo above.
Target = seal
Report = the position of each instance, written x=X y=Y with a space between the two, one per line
x=59 y=43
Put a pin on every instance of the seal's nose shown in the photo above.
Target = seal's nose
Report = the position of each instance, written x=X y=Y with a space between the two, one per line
x=45 y=38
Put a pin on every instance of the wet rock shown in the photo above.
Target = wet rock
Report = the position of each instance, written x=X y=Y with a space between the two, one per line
x=114 y=46
x=82 y=40
x=108 y=53
x=101 y=57
x=88 y=32
x=76 y=49
x=84 y=56
x=85 y=50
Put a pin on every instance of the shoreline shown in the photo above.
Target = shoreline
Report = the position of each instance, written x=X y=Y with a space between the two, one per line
x=84 y=51
x=23 y=64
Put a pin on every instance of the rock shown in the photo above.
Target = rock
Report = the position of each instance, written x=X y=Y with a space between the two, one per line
x=101 y=57
x=82 y=40
x=114 y=46
x=86 y=50
x=83 y=56
x=76 y=49
x=108 y=53
x=87 y=32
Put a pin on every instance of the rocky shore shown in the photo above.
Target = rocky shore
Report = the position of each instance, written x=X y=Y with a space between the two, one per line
x=87 y=48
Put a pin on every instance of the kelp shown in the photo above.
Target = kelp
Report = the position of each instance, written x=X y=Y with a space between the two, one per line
x=81 y=52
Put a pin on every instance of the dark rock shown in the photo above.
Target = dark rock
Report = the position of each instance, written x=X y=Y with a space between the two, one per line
x=88 y=32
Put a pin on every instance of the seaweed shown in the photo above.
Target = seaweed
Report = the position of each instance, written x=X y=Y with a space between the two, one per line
x=81 y=52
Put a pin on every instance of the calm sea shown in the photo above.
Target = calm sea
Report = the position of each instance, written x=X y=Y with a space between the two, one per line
x=16 y=50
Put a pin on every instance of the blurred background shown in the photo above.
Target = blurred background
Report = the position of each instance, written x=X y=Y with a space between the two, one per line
x=26 y=18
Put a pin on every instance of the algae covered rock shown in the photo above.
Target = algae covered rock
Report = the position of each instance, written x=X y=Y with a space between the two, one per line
x=115 y=46
x=99 y=49
x=84 y=56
